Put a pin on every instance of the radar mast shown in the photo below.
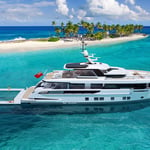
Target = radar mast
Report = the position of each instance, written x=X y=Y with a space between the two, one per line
x=85 y=53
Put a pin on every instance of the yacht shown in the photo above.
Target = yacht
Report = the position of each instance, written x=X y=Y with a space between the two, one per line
x=87 y=83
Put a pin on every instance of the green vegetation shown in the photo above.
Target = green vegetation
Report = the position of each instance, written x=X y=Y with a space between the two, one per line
x=96 y=31
x=53 y=39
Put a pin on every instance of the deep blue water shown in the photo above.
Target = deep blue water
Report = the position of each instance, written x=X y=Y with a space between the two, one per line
x=58 y=128
x=29 y=32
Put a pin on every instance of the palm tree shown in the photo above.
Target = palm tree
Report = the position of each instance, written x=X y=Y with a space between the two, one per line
x=90 y=28
x=106 y=28
x=62 y=24
x=99 y=26
x=62 y=28
x=58 y=31
x=84 y=24
x=118 y=29
x=75 y=29
x=113 y=27
x=68 y=31
x=140 y=27
x=53 y=23
x=69 y=23
x=98 y=35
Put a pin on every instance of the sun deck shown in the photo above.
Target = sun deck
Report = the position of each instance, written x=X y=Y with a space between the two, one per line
x=88 y=74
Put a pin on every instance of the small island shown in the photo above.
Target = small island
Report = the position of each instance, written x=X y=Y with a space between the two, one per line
x=69 y=35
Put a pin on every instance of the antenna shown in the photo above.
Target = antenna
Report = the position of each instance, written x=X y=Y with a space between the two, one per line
x=83 y=45
x=85 y=53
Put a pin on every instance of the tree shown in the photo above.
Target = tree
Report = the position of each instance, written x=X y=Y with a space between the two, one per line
x=62 y=24
x=99 y=26
x=75 y=29
x=140 y=27
x=53 y=23
x=58 y=31
x=62 y=27
x=90 y=28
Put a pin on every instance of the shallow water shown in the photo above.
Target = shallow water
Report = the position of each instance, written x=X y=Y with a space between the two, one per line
x=40 y=128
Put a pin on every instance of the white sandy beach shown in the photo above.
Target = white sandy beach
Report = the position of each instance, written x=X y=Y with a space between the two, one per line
x=29 y=45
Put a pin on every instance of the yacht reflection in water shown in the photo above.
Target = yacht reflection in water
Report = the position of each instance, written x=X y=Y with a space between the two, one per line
x=72 y=109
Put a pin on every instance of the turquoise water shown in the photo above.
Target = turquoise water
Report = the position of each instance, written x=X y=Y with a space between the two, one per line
x=34 y=128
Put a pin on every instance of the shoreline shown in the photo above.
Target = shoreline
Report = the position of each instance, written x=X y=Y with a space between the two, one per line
x=35 y=44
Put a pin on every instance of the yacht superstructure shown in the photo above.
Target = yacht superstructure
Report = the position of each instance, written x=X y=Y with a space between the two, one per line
x=88 y=82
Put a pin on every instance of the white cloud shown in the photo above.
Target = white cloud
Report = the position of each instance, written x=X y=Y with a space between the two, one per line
x=71 y=16
x=17 y=11
x=109 y=7
x=44 y=4
x=88 y=18
x=141 y=10
x=20 y=12
x=112 y=9
x=132 y=2
x=62 y=7
x=81 y=14
x=141 y=13
x=73 y=11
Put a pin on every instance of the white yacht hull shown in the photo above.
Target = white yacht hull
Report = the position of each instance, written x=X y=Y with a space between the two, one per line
x=102 y=97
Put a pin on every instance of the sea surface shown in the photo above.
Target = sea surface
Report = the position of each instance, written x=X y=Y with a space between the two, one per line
x=71 y=128
x=13 y=33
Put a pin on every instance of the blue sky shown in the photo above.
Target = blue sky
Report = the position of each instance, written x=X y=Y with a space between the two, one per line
x=43 y=12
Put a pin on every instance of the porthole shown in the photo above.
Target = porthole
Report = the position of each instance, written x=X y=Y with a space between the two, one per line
x=87 y=98
x=128 y=97
x=96 y=98
x=101 y=98
x=112 y=98
x=142 y=97
x=124 y=98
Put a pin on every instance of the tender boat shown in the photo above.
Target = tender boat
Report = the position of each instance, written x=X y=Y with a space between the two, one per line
x=87 y=83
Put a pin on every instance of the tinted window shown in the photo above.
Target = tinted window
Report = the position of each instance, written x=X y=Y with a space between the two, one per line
x=98 y=72
x=41 y=84
x=87 y=73
x=111 y=86
x=80 y=92
x=124 y=86
x=51 y=92
x=96 y=86
x=76 y=86
x=55 y=85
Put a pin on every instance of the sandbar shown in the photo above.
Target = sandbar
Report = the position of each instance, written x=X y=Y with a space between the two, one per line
x=33 y=45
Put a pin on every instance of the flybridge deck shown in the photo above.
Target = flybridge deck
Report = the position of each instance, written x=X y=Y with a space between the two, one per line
x=133 y=74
